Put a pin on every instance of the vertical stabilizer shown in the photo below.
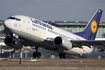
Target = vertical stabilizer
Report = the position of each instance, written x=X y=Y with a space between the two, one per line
x=90 y=30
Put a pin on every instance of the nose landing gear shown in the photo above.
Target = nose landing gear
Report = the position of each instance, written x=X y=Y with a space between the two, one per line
x=37 y=54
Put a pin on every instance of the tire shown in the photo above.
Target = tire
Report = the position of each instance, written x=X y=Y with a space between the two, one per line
x=64 y=55
x=38 y=54
x=34 y=55
x=60 y=55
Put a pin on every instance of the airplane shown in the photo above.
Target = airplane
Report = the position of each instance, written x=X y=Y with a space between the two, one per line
x=28 y=31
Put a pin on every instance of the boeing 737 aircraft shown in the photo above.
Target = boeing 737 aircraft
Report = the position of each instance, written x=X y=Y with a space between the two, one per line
x=28 y=31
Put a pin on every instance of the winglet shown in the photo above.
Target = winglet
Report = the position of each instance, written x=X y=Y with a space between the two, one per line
x=91 y=29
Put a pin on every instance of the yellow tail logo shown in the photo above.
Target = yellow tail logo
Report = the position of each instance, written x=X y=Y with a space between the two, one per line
x=93 y=26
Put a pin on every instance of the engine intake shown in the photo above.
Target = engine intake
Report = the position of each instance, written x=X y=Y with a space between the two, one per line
x=12 y=42
x=57 y=41
x=62 y=42
x=8 y=40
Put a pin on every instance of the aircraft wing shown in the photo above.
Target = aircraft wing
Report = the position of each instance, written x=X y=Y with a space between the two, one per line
x=79 y=43
x=94 y=43
x=24 y=42
x=27 y=43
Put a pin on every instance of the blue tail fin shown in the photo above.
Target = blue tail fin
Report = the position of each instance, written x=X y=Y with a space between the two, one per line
x=91 y=29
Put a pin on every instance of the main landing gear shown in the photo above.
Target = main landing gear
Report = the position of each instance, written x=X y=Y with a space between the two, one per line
x=37 y=54
x=62 y=55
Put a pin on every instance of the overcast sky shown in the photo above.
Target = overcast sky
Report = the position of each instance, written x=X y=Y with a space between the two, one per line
x=48 y=10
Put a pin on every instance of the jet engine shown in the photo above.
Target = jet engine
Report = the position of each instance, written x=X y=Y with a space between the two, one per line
x=13 y=42
x=62 y=42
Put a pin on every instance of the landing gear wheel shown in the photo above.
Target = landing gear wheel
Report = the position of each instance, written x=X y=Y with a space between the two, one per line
x=34 y=55
x=38 y=54
x=62 y=55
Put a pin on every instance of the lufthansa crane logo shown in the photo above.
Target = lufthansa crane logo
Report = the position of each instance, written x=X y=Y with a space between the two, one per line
x=93 y=26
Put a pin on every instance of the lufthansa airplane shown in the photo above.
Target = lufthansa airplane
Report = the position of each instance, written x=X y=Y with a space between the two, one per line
x=28 y=31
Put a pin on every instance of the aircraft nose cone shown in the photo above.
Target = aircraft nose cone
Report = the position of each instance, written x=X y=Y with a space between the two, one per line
x=7 y=23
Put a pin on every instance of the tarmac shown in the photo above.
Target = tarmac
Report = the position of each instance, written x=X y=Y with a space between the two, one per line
x=52 y=64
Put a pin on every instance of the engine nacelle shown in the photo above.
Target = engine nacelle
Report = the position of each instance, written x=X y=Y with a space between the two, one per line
x=62 y=42
x=12 y=42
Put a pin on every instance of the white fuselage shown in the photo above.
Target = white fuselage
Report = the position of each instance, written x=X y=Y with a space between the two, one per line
x=37 y=31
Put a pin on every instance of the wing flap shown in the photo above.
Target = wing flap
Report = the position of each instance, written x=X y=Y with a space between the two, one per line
x=95 y=43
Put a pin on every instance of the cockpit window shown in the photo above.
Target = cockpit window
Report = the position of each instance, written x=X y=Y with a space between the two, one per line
x=14 y=18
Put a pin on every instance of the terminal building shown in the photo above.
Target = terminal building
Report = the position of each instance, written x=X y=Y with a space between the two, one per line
x=70 y=26
x=78 y=26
